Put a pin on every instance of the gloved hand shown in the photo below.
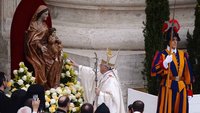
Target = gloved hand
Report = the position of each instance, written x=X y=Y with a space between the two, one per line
x=167 y=60
x=190 y=94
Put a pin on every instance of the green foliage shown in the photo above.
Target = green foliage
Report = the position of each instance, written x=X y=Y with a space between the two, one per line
x=157 y=11
x=193 y=48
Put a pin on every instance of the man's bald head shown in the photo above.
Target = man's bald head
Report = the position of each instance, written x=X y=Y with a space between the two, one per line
x=87 y=108
x=63 y=101
x=138 y=105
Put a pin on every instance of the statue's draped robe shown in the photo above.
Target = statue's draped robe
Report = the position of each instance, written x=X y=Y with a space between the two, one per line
x=109 y=85
x=47 y=69
x=35 y=38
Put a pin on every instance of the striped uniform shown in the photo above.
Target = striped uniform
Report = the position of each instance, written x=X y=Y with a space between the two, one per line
x=180 y=81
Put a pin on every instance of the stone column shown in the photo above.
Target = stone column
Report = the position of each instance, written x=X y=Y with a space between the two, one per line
x=7 y=8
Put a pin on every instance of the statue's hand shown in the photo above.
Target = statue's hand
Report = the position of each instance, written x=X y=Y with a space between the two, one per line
x=44 y=49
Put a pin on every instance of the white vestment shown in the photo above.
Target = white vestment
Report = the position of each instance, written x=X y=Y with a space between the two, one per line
x=109 y=85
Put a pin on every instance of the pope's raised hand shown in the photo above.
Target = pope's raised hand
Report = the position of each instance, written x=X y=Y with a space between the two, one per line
x=74 y=63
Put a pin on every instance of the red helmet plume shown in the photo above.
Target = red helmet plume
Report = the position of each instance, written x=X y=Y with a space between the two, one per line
x=168 y=24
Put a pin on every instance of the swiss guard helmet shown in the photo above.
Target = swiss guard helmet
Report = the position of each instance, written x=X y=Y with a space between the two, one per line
x=167 y=30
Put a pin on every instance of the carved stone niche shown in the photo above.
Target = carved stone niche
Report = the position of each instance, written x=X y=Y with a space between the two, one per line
x=117 y=24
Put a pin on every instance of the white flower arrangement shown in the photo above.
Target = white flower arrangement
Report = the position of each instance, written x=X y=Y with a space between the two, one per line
x=69 y=86
x=69 y=74
x=52 y=96
x=22 y=79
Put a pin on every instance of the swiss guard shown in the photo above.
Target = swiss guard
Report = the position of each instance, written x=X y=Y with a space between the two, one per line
x=173 y=66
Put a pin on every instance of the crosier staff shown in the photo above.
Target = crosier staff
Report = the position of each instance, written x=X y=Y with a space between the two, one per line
x=95 y=70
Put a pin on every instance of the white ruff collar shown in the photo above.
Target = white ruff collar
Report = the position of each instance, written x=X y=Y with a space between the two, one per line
x=172 y=50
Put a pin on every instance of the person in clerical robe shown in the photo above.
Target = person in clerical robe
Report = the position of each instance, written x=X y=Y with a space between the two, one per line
x=172 y=65
x=108 y=89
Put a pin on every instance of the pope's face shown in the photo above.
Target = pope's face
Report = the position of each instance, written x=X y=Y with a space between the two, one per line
x=102 y=68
